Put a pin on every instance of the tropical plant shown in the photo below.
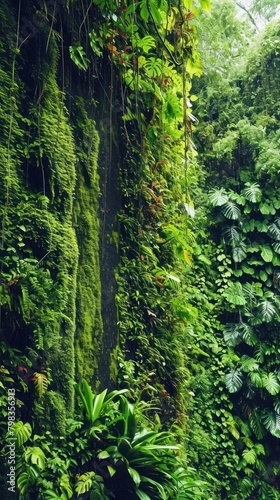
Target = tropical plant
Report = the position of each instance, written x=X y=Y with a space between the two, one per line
x=108 y=454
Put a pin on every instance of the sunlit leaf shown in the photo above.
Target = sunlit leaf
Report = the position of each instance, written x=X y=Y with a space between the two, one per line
x=205 y=5
x=266 y=253
x=231 y=210
x=271 y=383
x=218 y=197
x=249 y=455
x=252 y=192
x=84 y=483
x=190 y=208
x=234 y=294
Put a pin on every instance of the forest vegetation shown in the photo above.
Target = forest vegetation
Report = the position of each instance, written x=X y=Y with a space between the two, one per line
x=139 y=249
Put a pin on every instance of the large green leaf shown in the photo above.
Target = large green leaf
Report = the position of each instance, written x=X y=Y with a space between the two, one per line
x=267 y=209
x=274 y=230
x=246 y=487
x=144 y=11
x=234 y=380
x=267 y=310
x=153 y=67
x=231 y=210
x=271 y=421
x=256 y=423
x=34 y=455
x=234 y=294
x=231 y=234
x=218 y=197
x=256 y=379
x=84 y=482
x=155 y=12
x=252 y=192
x=271 y=383
x=249 y=364
x=248 y=334
x=266 y=253
x=276 y=406
x=97 y=405
x=232 y=334
x=276 y=248
x=261 y=350
x=135 y=476
x=146 y=43
x=239 y=252
x=249 y=455
x=22 y=432
x=253 y=290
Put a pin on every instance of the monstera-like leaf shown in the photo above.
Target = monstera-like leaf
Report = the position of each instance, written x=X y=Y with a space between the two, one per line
x=218 y=197
x=231 y=234
x=252 y=192
x=234 y=380
x=271 y=421
x=234 y=294
x=231 y=210
x=239 y=252
x=267 y=310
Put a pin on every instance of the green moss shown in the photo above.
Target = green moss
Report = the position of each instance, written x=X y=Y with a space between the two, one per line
x=39 y=253
x=55 y=413
x=89 y=330
x=114 y=365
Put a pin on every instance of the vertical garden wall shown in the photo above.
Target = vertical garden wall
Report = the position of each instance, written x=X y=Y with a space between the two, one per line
x=120 y=270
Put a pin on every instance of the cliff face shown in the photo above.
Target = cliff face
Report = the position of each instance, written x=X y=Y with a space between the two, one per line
x=50 y=192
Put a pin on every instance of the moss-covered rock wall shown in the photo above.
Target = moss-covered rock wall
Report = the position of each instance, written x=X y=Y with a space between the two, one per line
x=49 y=255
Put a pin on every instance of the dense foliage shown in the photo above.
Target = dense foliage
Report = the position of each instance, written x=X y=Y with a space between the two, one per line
x=139 y=180
x=236 y=137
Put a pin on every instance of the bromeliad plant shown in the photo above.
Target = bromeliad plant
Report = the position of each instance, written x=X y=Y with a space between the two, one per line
x=107 y=453
x=135 y=462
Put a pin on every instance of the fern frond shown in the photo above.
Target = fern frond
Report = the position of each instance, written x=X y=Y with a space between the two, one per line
x=41 y=382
